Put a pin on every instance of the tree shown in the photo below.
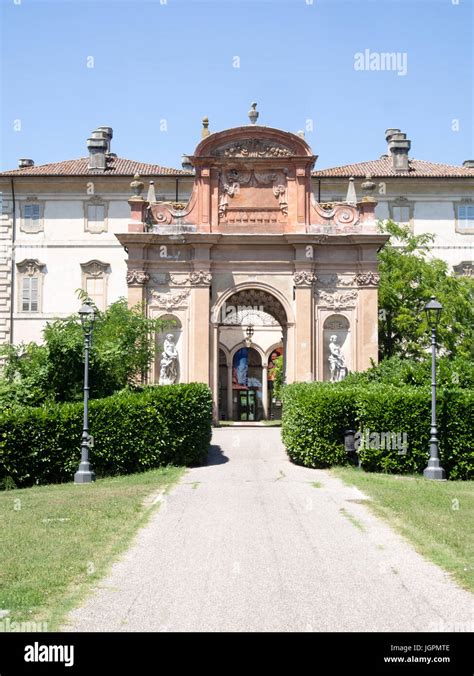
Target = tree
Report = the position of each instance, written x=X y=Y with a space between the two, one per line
x=123 y=348
x=409 y=276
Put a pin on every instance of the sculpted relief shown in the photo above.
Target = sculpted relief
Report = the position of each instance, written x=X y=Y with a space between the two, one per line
x=251 y=195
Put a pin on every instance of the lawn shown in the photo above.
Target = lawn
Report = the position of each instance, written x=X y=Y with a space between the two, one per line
x=56 y=541
x=436 y=517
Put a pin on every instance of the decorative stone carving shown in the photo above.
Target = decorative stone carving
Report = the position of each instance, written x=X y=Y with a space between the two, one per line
x=230 y=184
x=198 y=278
x=334 y=280
x=30 y=267
x=337 y=363
x=304 y=278
x=137 y=185
x=95 y=268
x=337 y=300
x=137 y=277
x=169 y=301
x=169 y=362
x=253 y=147
x=256 y=299
x=367 y=279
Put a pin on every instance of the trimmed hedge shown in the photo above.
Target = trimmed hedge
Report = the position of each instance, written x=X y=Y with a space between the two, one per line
x=315 y=416
x=313 y=422
x=133 y=432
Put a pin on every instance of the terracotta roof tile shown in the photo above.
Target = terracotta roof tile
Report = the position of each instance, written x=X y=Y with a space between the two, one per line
x=116 y=166
x=383 y=168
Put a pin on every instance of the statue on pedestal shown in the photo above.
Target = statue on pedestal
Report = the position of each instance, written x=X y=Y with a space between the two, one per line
x=169 y=362
x=337 y=363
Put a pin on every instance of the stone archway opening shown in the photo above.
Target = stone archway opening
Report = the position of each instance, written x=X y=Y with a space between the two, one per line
x=251 y=330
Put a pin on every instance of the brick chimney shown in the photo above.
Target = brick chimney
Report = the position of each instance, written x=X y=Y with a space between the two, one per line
x=24 y=163
x=398 y=148
x=99 y=147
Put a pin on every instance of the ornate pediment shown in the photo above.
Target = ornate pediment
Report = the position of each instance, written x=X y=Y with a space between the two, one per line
x=253 y=148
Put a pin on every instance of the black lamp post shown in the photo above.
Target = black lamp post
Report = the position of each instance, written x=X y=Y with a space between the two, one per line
x=434 y=470
x=85 y=475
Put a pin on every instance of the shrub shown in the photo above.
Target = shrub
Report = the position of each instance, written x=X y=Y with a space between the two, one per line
x=315 y=416
x=133 y=432
x=390 y=410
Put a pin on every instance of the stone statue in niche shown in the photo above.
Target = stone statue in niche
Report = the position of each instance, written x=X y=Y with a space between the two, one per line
x=337 y=363
x=169 y=362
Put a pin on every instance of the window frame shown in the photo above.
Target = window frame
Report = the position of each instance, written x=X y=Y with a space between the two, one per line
x=27 y=224
x=464 y=204
x=28 y=269
x=104 y=225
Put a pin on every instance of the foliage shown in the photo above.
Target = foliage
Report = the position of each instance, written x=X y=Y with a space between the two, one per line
x=409 y=276
x=133 y=432
x=315 y=416
x=451 y=372
x=123 y=347
x=278 y=376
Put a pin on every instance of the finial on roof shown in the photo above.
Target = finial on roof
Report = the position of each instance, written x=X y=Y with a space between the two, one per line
x=151 y=196
x=351 y=197
x=253 y=113
x=205 y=127
x=137 y=186
x=300 y=133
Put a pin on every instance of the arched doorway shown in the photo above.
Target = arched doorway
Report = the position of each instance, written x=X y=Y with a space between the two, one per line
x=251 y=326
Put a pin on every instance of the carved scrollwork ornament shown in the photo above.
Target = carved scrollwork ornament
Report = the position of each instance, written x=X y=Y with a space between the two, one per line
x=137 y=277
x=304 y=278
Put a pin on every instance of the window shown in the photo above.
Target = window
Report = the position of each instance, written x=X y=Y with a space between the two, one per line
x=401 y=214
x=31 y=215
x=96 y=217
x=30 y=280
x=465 y=218
x=401 y=211
x=94 y=282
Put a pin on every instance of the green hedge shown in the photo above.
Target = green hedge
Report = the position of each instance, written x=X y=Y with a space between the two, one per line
x=133 y=432
x=313 y=423
x=315 y=416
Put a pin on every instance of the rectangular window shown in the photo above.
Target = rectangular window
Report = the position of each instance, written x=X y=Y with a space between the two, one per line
x=29 y=294
x=95 y=288
x=95 y=215
x=31 y=214
x=401 y=214
x=466 y=216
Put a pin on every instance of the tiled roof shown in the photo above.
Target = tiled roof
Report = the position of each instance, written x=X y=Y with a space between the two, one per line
x=116 y=166
x=383 y=167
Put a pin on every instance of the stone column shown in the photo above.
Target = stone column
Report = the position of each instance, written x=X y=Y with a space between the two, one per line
x=136 y=281
x=200 y=326
x=304 y=280
x=215 y=371
x=230 y=399
x=367 y=326
x=265 y=390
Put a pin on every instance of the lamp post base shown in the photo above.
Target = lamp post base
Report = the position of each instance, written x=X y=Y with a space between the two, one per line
x=84 y=475
x=434 y=471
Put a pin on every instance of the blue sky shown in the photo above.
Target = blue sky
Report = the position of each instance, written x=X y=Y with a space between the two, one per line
x=160 y=66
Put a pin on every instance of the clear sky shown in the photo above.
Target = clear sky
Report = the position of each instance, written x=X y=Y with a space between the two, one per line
x=159 y=66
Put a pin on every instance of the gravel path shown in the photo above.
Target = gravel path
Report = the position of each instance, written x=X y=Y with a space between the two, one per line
x=248 y=543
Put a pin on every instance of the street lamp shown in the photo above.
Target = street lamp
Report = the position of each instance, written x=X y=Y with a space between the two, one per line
x=249 y=333
x=85 y=475
x=434 y=470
